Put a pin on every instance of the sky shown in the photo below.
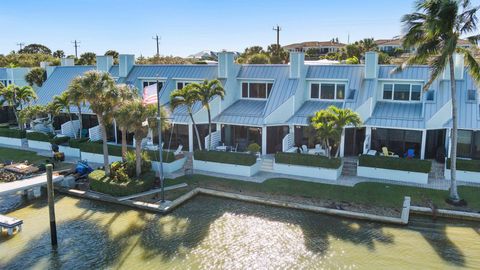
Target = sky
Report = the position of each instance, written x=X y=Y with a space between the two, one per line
x=187 y=27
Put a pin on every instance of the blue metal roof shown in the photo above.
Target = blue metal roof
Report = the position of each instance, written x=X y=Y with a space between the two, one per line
x=172 y=71
x=409 y=73
x=59 y=81
x=3 y=73
x=353 y=73
x=114 y=71
x=397 y=115
x=243 y=112
x=309 y=108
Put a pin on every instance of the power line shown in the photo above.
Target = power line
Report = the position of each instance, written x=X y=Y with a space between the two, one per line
x=157 y=40
x=76 y=42
x=20 y=44
x=277 y=29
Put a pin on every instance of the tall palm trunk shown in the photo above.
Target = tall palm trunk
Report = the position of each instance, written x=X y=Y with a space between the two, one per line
x=80 y=121
x=196 y=129
x=453 y=154
x=106 y=164
x=209 y=129
x=20 y=126
x=138 y=157
x=124 y=142
x=71 y=121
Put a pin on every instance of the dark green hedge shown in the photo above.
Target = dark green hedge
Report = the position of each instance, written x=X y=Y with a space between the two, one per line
x=392 y=163
x=466 y=165
x=60 y=140
x=39 y=136
x=226 y=157
x=116 y=150
x=308 y=160
x=75 y=143
x=101 y=183
x=12 y=133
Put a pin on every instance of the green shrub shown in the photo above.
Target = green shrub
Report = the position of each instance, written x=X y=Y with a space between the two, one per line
x=101 y=183
x=40 y=136
x=130 y=163
x=60 y=140
x=253 y=148
x=226 y=157
x=118 y=172
x=5 y=125
x=167 y=156
x=392 y=163
x=12 y=133
x=466 y=165
x=97 y=148
x=308 y=160
x=75 y=143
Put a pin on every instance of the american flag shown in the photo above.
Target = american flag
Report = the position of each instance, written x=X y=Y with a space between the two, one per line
x=150 y=94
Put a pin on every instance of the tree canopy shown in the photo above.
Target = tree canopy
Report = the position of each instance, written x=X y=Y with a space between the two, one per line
x=36 y=76
x=86 y=59
x=35 y=48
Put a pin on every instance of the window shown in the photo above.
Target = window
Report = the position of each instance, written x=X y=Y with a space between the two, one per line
x=464 y=143
x=387 y=91
x=402 y=91
x=471 y=95
x=327 y=91
x=430 y=95
x=256 y=90
x=148 y=83
x=180 y=85
x=351 y=94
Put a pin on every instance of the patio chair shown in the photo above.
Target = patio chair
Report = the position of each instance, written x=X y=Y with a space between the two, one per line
x=234 y=149
x=178 y=151
x=387 y=153
x=304 y=149
x=410 y=154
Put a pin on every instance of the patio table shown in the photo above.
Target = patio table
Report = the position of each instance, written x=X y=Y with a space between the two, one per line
x=223 y=148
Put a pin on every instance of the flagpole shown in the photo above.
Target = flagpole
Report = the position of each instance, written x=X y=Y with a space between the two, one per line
x=160 y=145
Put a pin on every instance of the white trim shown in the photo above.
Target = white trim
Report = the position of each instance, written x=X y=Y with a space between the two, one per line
x=320 y=83
x=382 y=91
x=258 y=82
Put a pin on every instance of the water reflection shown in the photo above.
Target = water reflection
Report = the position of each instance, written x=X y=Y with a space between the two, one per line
x=211 y=233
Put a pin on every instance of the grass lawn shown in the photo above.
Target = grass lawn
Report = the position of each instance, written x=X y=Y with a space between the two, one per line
x=101 y=183
x=369 y=193
x=18 y=155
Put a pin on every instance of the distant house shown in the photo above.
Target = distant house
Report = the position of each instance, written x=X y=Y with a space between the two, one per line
x=390 y=45
x=324 y=47
x=205 y=55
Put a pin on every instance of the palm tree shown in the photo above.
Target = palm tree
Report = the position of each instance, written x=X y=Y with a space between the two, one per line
x=207 y=91
x=323 y=123
x=122 y=116
x=187 y=96
x=100 y=92
x=368 y=44
x=77 y=98
x=435 y=29
x=343 y=118
x=137 y=113
x=15 y=96
x=63 y=102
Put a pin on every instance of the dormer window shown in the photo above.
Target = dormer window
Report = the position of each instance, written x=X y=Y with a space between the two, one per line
x=402 y=91
x=430 y=95
x=327 y=91
x=256 y=90
x=151 y=82
x=180 y=85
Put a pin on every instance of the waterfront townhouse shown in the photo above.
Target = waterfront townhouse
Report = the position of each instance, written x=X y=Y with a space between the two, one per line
x=271 y=104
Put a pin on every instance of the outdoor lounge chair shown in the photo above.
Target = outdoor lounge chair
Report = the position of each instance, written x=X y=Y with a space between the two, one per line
x=304 y=149
x=178 y=151
x=387 y=153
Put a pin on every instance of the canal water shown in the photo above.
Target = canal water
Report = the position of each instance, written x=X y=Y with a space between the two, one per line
x=213 y=233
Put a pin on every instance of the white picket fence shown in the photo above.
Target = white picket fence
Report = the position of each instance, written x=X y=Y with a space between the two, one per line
x=95 y=133
x=216 y=138
x=287 y=142
x=70 y=128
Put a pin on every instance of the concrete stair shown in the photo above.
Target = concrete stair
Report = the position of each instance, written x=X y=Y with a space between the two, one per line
x=437 y=171
x=267 y=165
x=349 y=166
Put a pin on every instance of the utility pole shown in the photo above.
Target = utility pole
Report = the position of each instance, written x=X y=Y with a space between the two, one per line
x=277 y=29
x=20 y=44
x=51 y=205
x=157 y=40
x=76 y=47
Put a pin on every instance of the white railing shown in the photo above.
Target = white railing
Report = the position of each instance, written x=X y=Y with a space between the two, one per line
x=287 y=142
x=70 y=128
x=366 y=144
x=95 y=133
x=216 y=138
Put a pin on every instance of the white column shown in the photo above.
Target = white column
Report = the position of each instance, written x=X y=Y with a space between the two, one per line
x=219 y=127
x=449 y=141
x=190 y=137
x=424 y=144
x=264 y=140
x=291 y=130
x=115 y=130
x=368 y=136
x=342 y=143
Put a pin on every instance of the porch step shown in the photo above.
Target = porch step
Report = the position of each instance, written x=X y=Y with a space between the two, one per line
x=349 y=167
x=267 y=165
x=437 y=171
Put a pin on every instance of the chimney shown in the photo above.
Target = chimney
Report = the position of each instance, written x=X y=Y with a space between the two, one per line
x=67 y=62
x=126 y=62
x=226 y=62
x=104 y=62
x=297 y=64
x=48 y=69
x=371 y=65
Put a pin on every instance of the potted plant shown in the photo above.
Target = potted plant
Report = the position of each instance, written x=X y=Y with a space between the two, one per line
x=254 y=148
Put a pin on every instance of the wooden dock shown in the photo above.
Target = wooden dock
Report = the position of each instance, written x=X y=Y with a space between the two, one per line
x=25 y=184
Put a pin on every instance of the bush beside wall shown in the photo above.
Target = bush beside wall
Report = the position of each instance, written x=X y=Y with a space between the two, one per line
x=39 y=136
x=75 y=143
x=392 y=163
x=308 y=160
x=12 y=133
x=226 y=157
x=466 y=165
x=101 y=183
